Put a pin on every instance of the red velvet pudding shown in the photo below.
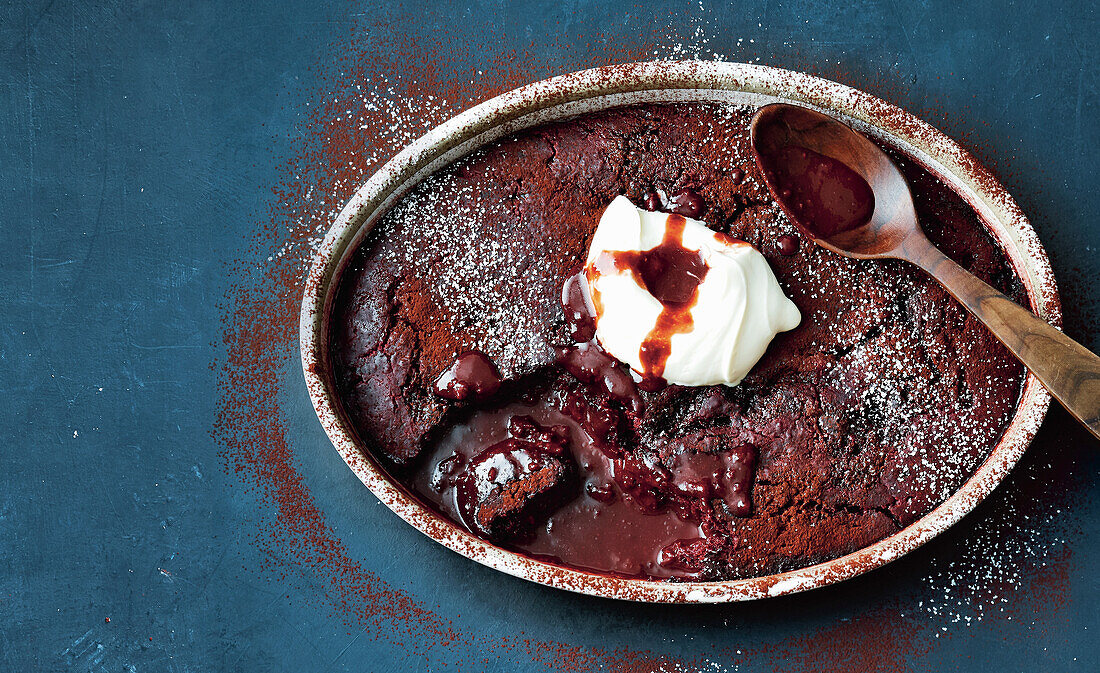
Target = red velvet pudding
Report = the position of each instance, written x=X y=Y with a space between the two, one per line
x=460 y=365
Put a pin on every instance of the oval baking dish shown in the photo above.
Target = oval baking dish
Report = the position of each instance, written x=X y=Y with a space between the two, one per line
x=663 y=82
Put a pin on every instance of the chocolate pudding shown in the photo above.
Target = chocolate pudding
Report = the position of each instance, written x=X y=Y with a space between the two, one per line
x=465 y=361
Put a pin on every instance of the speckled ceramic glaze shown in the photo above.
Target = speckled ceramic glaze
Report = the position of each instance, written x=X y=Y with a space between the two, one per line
x=663 y=82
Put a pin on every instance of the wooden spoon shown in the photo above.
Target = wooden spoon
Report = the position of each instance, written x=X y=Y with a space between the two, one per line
x=847 y=195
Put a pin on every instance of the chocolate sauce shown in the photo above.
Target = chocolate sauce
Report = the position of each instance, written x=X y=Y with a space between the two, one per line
x=726 y=474
x=471 y=376
x=586 y=361
x=600 y=492
x=578 y=313
x=592 y=365
x=672 y=274
x=737 y=176
x=687 y=202
x=598 y=422
x=611 y=523
x=684 y=555
x=787 y=245
x=823 y=194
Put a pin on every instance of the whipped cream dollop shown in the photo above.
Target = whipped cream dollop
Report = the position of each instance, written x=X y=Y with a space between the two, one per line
x=677 y=301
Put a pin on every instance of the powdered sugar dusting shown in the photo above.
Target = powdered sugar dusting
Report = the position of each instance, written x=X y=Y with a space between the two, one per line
x=1001 y=556
x=441 y=226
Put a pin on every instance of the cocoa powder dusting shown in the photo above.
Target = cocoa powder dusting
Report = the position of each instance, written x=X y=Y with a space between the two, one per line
x=369 y=104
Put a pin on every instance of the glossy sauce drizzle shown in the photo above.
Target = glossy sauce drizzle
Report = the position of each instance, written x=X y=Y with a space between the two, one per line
x=824 y=196
x=672 y=274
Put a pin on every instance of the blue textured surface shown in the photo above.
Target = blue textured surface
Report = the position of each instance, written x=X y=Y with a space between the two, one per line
x=138 y=146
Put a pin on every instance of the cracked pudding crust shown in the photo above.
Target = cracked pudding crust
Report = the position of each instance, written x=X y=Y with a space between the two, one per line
x=852 y=426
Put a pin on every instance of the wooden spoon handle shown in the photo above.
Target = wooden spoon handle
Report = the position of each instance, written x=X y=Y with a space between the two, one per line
x=1068 y=370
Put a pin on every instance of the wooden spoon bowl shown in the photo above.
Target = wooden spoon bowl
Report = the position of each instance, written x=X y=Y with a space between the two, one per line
x=820 y=170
